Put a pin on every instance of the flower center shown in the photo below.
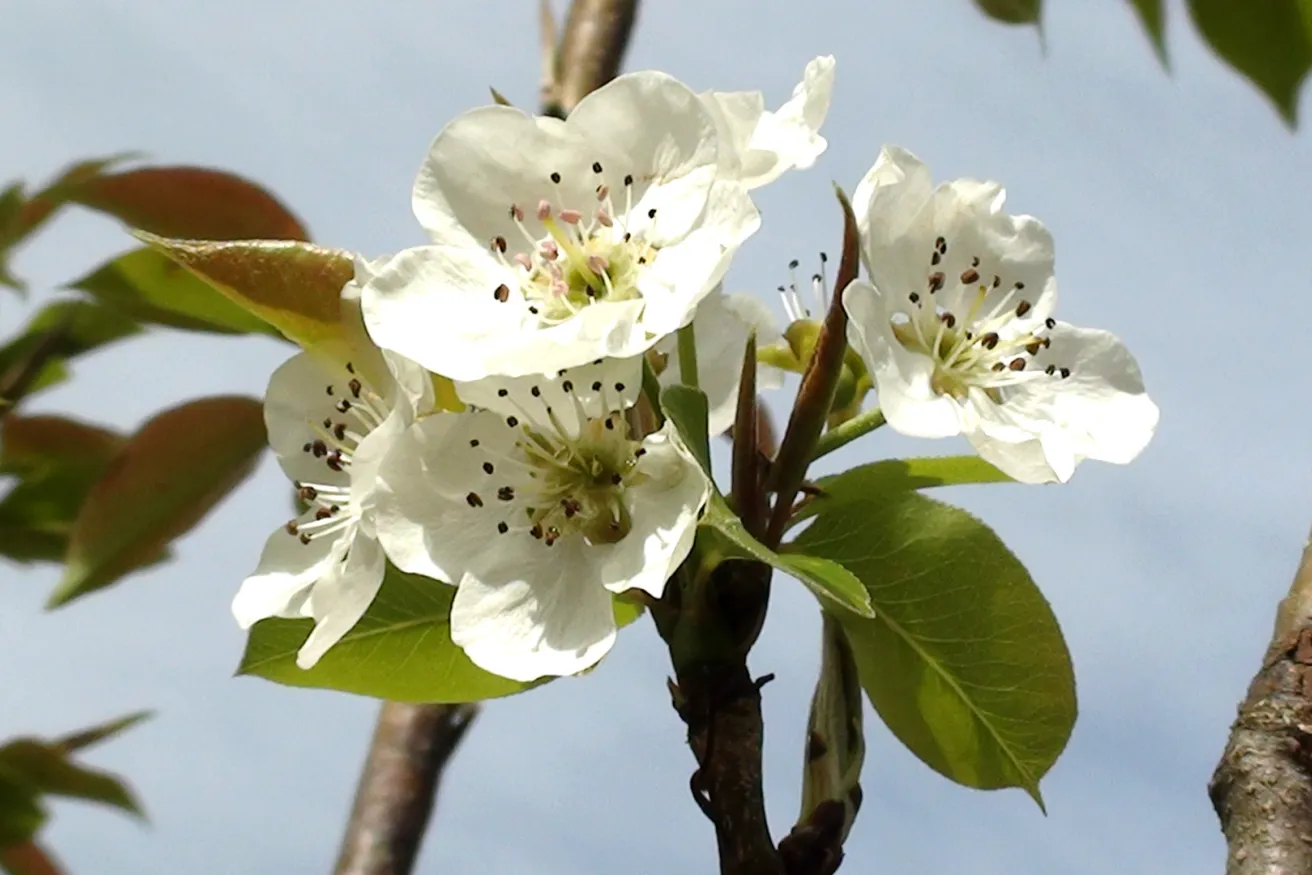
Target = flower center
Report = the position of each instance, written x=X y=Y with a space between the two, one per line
x=360 y=410
x=583 y=256
x=555 y=482
x=978 y=336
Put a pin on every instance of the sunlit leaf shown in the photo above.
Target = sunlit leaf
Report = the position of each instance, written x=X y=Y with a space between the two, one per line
x=162 y=482
x=1269 y=42
x=963 y=659
x=149 y=286
x=400 y=650
x=833 y=583
x=295 y=287
x=687 y=407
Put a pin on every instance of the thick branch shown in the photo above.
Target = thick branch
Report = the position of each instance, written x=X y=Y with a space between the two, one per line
x=411 y=746
x=1262 y=787
x=591 y=49
x=709 y=636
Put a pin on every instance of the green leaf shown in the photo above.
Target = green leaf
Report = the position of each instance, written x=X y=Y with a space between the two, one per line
x=830 y=581
x=1152 y=15
x=963 y=660
x=898 y=475
x=688 y=409
x=21 y=813
x=83 y=326
x=1269 y=42
x=51 y=772
x=149 y=286
x=401 y=650
x=93 y=735
x=190 y=202
x=57 y=461
x=1012 y=11
x=161 y=483
x=295 y=287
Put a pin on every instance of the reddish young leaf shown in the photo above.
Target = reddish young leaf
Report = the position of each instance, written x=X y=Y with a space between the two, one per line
x=162 y=482
x=28 y=858
x=191 y=202
x=295 y=287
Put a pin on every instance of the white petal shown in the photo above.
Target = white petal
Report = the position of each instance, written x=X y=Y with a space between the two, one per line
x=491 y=157
x=790 y=137
x=1102 y=411
x=560 y=624
x=600 y=387
x=663 y=510
x=286 y=570
x=889 y=198
x=298 y=399
x=721 y=326
x=339 y=600
x=658 y=128
x=423 y=513
x=1025 y=462
x=439 y=307
x=902 y=377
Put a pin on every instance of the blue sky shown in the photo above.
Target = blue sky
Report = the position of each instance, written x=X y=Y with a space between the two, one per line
x=1178 y=204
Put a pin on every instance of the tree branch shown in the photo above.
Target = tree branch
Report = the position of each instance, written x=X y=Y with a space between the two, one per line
x=591 y=50
x=1262 y=787
x=411 y=746
x=720 y=702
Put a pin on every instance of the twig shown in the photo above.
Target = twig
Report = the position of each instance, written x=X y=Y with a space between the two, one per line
x=1262 y=787
x=591 y=49
x=411 y=746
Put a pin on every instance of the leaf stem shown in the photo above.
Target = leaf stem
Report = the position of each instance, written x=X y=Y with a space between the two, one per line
x=688 y=356
x=842 y=435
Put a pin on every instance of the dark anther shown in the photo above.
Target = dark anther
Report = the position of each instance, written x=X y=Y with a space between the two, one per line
x=502 y=293
x=628 y=179
x=948 y=319
x=1023 y=307
x=989 y=340
x=914 y=297
x=555 y=177
x=1017 y=364
x=970 y=275
x=502 y=393
x=502 y=527
x=1050 y=323
x=619 y=387
x=936 y=281
x=596 y=387
x=651 y=214
x=488 y=468
x=506 y=493
x=500 y=243
x=596 y=166
x=974 y=261
x=473 y=442
x=512 y=421
x=356 y=386
x=535 y=392
x=568 y=386
x=473 y=500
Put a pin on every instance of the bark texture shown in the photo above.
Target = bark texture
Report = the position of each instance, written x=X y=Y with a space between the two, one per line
x=1262 y=787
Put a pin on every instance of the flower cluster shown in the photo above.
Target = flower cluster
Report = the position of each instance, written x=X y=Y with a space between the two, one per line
x=565 y=257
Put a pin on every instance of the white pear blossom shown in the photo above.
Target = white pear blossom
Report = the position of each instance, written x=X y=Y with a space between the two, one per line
x=556 y=243
x=539 y=505
x=956 y=328
x=762 y=145
x=330 y=425
x=721 y=327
